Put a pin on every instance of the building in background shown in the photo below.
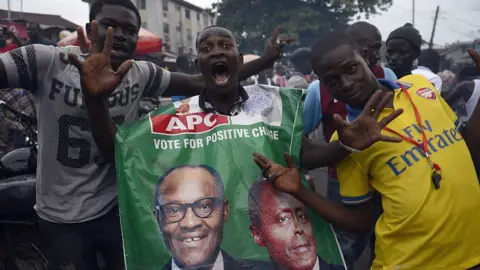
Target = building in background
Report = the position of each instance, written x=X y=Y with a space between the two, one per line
x=177 y=22
x=51 y=24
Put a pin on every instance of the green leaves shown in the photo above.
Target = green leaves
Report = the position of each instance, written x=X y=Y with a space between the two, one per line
x=306 y=20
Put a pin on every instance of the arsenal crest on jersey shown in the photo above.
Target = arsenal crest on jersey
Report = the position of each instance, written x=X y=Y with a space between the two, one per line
x=427 y=93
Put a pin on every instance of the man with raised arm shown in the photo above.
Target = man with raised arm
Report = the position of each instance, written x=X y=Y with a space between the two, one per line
x=76 y=187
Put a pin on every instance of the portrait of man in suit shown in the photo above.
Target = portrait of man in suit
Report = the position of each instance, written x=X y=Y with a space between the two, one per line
x=280 y=223
x=191 y=210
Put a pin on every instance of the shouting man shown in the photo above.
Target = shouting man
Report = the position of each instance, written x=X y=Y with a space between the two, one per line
x=76 y=186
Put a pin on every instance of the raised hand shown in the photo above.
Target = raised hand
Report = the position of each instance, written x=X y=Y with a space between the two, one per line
x=286 y=179
x=275 y=45
x=366 y=129
x=475 y=57
x=82 y=42
x=98 y=77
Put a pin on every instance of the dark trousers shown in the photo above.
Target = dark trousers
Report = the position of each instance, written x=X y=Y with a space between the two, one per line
x=75 y=246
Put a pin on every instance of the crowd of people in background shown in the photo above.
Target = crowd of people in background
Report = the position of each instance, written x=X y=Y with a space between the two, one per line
x=401 y=161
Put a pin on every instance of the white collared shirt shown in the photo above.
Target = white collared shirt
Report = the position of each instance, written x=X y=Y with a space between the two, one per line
x=432 y=77
x=217 y=266
x=317 y=265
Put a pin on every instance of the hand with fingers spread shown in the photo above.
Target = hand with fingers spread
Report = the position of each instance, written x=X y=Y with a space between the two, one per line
x=82 y=42
x=367 y=129
x=275 y=46
x=286 y=179
x=475 y=57
x=97 y=75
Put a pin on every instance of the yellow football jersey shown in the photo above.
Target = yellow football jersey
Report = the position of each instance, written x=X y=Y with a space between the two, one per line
x=422 y=227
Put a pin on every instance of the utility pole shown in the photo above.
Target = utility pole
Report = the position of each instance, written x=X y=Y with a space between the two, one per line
x=413 y=13
x=216 y=13
x=430 y=45
x=9 y=13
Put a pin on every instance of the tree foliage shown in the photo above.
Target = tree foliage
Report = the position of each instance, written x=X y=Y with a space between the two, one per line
x=252 y=21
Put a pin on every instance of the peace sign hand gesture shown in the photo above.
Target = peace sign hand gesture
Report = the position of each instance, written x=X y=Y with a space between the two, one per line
x=366 y=129
x=82 y=42
x=275 y=45
x=97 y=76
x=286 y=179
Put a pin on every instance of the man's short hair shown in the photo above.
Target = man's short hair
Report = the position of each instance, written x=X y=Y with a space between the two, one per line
x=361 y=32
x=97 y=6
x=212 y=171
x=301 y=55
x=330 y=42
x=208 y=27
x=428 y=56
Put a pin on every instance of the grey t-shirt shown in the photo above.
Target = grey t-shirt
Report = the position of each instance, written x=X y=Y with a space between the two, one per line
x=74 y=184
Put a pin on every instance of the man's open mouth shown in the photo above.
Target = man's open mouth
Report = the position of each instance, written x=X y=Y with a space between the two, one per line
x=119 y=48
x=220 y=73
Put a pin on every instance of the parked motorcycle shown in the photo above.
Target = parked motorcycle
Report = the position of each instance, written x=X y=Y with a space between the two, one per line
x=19 y=236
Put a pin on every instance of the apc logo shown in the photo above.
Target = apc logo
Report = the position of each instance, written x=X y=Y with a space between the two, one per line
x=427 y=93
x=170 y=124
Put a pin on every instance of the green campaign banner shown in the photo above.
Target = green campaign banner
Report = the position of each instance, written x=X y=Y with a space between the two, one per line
x=191 y=196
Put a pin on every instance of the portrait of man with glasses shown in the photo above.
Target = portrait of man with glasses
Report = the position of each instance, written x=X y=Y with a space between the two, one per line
x=191 y=209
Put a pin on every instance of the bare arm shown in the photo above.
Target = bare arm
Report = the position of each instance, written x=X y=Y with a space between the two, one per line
x=182 y=84
x=359 y=134
x=355 y=218
x=471 y=132
x=463 y=90
x=316 y=155
x=3 y=76
x=103 y=128
x=471 y=135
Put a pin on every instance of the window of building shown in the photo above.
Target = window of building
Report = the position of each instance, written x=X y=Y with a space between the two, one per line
x=166 y=47
x=198 y=16
x=144 y=25
x=142 y=4
x=165 y=5
x=205 y=19
x=189 y=34
x=177 y=6
x=166 y=28
x=179 y=28
x=187 y=13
